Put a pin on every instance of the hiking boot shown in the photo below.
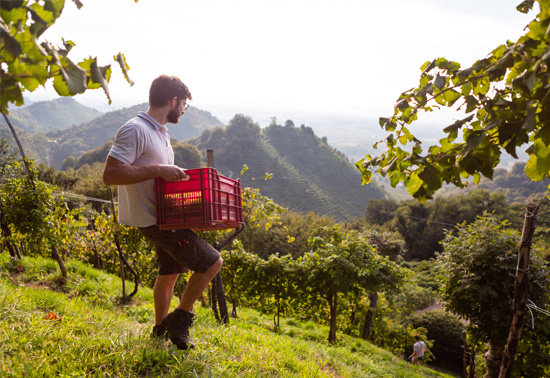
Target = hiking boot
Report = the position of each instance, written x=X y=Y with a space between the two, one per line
x=177 y=323
x=160 y=331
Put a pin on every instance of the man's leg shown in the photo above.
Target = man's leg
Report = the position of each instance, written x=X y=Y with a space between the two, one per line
x=178 y=322
x=163 y=291
x=197 y=284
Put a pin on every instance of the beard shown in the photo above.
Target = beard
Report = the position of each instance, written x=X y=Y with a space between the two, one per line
x=174 y=115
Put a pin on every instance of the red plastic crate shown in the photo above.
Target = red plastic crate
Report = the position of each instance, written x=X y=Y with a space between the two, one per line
x=207 y=201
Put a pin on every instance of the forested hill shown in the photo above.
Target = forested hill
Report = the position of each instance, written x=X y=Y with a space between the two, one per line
x=54 y=115
x=77 y=140
x=308 y=174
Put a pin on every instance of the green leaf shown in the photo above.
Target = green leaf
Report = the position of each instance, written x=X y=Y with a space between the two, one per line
x=80 y=5
x=538 y=166
x=543 y=133
x=99 y=76
x=9 y=44
x=526 y=6
x=32 y=75
x=530 y=121
x=387 y=124
x=54 y=6
x=428 y=66
x=453 y=129
x=475 y=138
x=366 y=177
x=39 y=24
x=467 y=88
x=413 y=183
x=530 y=80
x=451 y=96
x=124 y=66
x=439 y=81
x=402 y=104
x=471 y=104
x=431 y=177
x=464 y=74
x=74 y=76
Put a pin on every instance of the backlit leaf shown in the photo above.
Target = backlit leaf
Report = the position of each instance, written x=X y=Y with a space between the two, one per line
x=475 y=138
x=439 y=81
x=124 y=66
x=451 y=96
x=538 y=166
x=430 y=177
x=9 y=44
x=74 y=76
x=99 y=76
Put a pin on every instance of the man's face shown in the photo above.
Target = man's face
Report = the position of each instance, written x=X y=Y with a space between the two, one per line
x=176 y=112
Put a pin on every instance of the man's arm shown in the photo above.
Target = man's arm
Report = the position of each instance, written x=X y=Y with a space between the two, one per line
x=119 y=173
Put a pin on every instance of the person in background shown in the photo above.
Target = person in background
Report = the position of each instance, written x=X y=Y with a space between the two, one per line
x=140 y=153
x=418 y=351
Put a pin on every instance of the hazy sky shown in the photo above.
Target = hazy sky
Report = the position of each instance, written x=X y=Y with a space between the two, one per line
x=279 y=58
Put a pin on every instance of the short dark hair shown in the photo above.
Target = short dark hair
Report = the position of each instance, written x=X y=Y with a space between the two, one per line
x=417 y=338
x=164 y=88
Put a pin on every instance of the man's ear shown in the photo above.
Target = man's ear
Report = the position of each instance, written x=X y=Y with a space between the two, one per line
x=173 y=102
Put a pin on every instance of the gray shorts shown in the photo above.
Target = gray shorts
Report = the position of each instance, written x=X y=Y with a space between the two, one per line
x=180 y=250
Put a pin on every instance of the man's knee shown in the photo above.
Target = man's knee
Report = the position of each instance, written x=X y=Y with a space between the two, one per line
x=218 y=264
x=167 y=278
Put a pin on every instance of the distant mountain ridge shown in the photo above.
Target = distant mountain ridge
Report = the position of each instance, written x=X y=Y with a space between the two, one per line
x=54 y=145
x=46 y=116
x=79 y=139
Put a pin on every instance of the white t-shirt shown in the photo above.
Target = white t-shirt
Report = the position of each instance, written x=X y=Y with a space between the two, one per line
x=140 y=141
x=419 y=348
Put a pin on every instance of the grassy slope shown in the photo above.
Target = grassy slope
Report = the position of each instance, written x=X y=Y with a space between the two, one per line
x=97 y=336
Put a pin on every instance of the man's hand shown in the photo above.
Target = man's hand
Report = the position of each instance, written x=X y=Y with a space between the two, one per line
x=173 y=173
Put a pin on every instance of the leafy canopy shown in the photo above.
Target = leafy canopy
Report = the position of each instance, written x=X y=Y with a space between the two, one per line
x=505 y=98
x=27 y=62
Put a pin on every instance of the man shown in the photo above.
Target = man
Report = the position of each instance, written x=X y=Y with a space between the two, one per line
x=418 y=351
x=140 y=153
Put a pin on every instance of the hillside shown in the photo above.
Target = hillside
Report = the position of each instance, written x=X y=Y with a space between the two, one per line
x=307 y=173
x=55 y=146
x=81 y=328
x=79 y=139
x=46 y=116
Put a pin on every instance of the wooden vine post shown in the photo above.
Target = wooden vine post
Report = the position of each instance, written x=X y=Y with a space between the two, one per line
x=520 y=291
x=218 y=295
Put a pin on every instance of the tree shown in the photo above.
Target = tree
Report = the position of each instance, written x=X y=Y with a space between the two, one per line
x=343 y=263
x=477 y=281
x=506 y=101
x=187 y=155
x=392 y=246
x=29 y=62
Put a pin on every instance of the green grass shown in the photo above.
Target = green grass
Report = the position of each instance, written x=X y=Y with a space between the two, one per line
x=98 y=336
